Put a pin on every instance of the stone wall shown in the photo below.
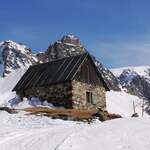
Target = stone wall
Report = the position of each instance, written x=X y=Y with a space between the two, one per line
x=58 y=94
x=70 y=95
x=79 y=90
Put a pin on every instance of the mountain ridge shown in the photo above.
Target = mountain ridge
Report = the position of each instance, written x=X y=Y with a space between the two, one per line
x=15 y=55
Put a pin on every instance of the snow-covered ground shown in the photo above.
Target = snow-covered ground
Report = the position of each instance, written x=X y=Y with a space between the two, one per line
x=38 y=133
x=28 y=132
x=122 y=103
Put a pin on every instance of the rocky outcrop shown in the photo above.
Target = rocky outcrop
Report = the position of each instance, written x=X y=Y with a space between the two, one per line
x=42 y=57
x=68 y=46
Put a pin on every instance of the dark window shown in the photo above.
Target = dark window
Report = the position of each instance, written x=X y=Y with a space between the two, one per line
x=89 y=97
x=88 y=74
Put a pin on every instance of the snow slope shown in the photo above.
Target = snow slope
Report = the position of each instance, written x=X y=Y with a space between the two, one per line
x=27 y=132
x=7 y=84
x=122 y=103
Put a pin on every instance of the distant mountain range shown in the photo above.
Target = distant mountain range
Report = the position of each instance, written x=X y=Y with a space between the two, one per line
x=135 y=80
x=17 y=55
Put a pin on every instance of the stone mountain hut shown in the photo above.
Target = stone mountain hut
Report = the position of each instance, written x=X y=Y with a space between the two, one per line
x=71 y=82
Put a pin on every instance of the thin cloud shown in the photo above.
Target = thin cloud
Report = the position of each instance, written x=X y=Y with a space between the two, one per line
x=124 y=53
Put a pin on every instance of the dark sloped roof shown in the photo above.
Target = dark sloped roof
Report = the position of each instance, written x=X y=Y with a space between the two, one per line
x=50 y=73
x=53 y=72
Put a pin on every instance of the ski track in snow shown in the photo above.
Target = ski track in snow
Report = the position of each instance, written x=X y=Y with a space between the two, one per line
x=119 y=134
x=54 y=137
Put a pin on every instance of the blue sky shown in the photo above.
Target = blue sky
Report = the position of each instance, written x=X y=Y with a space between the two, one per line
x=115 y=31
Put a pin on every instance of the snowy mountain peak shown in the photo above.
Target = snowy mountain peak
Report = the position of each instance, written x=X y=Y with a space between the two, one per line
x=71 y=39
x=141 y=70
x=128 y=74
x=17 y=46
x=71 y=36
x=14 y=56
x=135 y=79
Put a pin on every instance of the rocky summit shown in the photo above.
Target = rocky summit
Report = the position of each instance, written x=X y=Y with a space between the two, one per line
x=69 y=45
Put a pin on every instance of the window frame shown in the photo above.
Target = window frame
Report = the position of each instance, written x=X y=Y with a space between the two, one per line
x=89 y=97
